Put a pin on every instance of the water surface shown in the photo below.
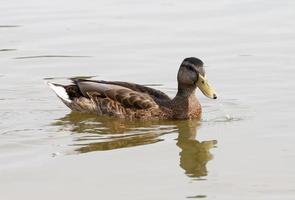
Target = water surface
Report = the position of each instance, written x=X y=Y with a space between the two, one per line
x=243 y=148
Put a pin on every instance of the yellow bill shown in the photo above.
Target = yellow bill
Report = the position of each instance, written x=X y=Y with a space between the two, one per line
x=205 y=87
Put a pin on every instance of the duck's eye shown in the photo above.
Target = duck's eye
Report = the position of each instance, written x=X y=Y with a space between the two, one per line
x=191 y=68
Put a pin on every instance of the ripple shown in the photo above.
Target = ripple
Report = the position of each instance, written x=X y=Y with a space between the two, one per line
x=20 y=130
x=7 y=50
x=226 y=110
x=9 y=26
x=51 y=56
x=197 y=197
x=226 y=118
x=5 y=99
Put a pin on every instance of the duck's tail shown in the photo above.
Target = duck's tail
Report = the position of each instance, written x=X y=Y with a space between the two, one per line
x=60 y=91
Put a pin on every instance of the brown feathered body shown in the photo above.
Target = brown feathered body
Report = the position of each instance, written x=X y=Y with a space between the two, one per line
x=134 y=101
x=128 y=100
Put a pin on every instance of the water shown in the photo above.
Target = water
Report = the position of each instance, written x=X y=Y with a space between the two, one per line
x=243 y=148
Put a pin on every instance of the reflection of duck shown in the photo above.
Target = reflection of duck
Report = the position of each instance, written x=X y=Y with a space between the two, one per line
x=104 y=133
x=194 y=155
x=133 y=101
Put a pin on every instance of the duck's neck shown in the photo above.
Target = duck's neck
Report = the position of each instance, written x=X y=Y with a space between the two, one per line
x=185 y=91
x=185 y=104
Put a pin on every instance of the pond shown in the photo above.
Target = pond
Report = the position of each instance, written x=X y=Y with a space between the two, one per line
x=242 y=148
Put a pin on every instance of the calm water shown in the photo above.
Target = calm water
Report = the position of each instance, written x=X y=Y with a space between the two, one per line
x=243 y=148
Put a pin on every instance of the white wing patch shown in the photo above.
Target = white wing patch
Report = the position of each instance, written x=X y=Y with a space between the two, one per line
x=60 y=92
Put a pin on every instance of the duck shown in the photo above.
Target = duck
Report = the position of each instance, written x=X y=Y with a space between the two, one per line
x=132 y=101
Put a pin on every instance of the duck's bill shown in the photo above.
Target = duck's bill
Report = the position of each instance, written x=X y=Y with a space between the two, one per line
x=205 y=87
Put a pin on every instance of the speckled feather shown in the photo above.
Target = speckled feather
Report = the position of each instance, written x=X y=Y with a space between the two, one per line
x=108 y=98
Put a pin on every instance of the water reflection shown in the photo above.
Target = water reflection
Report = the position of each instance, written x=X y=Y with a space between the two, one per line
x=105 y=133
x=194 y=154
x=94 y=133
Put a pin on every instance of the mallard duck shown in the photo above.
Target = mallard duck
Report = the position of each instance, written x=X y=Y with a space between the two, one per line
x=133 y=101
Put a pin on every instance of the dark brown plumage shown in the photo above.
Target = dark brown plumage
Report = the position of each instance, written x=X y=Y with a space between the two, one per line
x=134 y=101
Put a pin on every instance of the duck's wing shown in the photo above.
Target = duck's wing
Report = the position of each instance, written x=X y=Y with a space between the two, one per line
x=156 y=95
x=127 y=97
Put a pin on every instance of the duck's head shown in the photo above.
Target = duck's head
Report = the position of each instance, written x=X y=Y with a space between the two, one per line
x=191 y=75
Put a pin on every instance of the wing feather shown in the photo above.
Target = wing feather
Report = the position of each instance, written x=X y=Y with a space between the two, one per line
x=157 y=95
x=127 y=97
